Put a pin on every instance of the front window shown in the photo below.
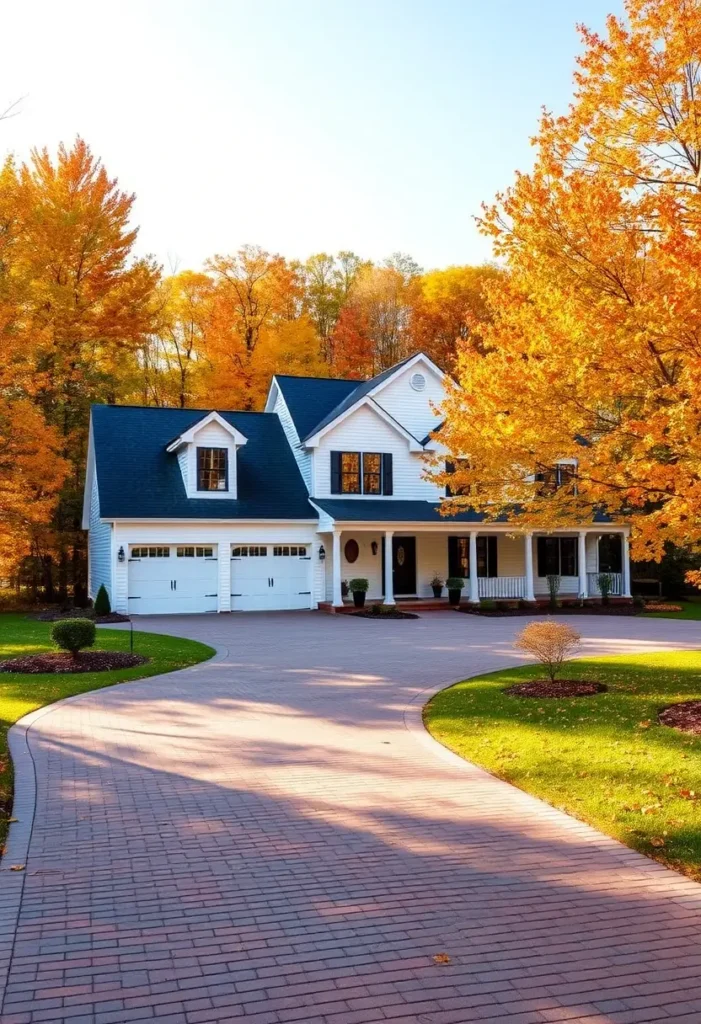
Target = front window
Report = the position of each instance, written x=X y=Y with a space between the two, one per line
x=212 y=469
x=610 y=553
x=557 y=556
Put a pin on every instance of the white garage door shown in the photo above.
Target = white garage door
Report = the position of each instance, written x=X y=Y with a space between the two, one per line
x=270 y=577
x=170 y=579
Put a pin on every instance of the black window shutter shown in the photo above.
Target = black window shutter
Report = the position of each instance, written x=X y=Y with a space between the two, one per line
x=542 y=557
x=492 y=569
x=454 y=567
x=449 y=468
x=335 y=472
x=387 y=478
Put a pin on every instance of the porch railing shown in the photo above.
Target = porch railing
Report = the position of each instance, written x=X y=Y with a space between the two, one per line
x=501 y=586
x=616 y=583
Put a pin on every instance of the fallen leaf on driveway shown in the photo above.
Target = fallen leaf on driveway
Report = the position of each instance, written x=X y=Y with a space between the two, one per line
x=17 y=867
x=441 y=958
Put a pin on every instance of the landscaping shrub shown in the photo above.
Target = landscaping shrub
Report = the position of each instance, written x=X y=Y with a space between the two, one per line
x=552 y=643
x=359 y=585
x=553 y=589
x=102 y=601
x=605 y=581
x=73 y=634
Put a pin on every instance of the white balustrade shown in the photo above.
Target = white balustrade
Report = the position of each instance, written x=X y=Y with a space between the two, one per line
x=616 y=584
x=498 y=587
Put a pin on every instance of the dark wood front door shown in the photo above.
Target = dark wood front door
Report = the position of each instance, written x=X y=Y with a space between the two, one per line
x=404 y=565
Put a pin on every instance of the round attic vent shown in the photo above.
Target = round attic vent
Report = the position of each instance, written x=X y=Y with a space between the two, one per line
x=417 y=381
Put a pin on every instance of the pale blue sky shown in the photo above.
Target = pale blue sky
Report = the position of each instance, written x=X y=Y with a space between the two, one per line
x=301 y=125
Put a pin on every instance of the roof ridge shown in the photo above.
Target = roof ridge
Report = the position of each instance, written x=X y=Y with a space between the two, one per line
x=178 y=408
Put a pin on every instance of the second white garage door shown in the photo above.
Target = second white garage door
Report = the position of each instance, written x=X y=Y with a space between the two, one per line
x=270 y=577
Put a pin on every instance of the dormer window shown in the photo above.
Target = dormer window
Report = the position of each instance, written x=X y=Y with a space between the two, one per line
x=212 y=469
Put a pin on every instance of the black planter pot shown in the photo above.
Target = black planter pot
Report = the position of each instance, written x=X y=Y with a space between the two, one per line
x=437 y=591
x=359 y=598
x=454 y=596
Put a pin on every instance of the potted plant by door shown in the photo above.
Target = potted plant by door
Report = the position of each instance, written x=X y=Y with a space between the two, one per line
x=437 y=585
x=455 y=585
x=359 y=588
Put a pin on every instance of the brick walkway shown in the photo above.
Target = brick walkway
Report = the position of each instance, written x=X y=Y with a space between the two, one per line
x=270 y=837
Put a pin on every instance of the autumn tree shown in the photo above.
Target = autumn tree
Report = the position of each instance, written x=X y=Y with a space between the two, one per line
x=257 y=298
x=173 y=361
x=80 y=308
x=327 y=284
x=449 y=309
x=373 y=329
x=596 y=341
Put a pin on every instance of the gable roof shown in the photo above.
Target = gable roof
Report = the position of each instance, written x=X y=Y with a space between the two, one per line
x=310 y=399
x=138 y=479
x=360 y=391
x=188 y=434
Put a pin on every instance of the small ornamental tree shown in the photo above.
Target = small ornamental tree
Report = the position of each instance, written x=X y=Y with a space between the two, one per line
x=551 y=643
x=102 y=601
x=73 y=635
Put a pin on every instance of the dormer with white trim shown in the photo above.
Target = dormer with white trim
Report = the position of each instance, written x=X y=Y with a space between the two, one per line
x=206 y=454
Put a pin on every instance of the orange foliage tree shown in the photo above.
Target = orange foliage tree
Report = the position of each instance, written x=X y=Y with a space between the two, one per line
x=79 y=305
x=595 y=349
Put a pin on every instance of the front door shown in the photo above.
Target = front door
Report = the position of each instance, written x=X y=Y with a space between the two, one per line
x=404 y=565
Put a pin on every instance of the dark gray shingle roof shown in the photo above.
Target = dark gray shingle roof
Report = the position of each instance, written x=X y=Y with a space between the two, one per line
x=137 y=478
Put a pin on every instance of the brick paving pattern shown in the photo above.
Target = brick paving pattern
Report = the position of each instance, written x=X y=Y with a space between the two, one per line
x=271 y=838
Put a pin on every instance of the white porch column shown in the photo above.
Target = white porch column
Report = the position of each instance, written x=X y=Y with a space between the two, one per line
x=336 y=596
x=389 y=576
x=625 y=589
x=582 y=560
x=528 y=549
x=474 y=582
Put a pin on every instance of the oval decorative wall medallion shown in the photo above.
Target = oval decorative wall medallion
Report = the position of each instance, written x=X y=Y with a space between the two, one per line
x=400 y=555
x=351 y=551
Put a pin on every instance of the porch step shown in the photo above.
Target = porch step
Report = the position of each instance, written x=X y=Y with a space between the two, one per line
x=428 y=604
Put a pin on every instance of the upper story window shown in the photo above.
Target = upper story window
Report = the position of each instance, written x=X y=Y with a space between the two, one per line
x=212 y=469
x=454 y=489
x=562 y=474
x=361 y=473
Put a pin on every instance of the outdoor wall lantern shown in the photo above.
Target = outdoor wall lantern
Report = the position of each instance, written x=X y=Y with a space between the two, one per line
x=120 y=555
x=322 y=553
x=374 y=547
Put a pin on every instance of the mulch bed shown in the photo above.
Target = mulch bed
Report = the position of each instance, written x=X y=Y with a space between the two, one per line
x=384 y=615
x=52 y=615
x=684 y=716
x=661 y=606
x=500 y=613
x=58 y=661
x=543 y=688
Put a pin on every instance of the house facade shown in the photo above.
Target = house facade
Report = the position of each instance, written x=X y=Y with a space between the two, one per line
x=206 y=511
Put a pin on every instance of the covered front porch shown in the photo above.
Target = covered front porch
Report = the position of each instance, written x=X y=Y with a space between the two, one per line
x=495 y=563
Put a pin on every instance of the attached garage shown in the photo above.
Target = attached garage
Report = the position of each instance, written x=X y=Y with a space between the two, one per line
x=168 y=579
x=270 y=577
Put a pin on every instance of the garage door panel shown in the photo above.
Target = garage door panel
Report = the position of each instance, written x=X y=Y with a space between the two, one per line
x=275 y=581
x=168 y=584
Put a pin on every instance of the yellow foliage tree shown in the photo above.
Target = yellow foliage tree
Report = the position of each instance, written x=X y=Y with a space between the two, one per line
x=595 y=349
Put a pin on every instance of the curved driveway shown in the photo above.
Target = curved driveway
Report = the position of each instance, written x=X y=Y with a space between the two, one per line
x=270 y=837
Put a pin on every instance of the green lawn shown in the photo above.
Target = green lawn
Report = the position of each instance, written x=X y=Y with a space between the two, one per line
x=690 y=610
x=603 y=759
x=20 y=694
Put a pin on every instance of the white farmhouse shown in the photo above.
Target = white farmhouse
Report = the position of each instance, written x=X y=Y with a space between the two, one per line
x=206 y=511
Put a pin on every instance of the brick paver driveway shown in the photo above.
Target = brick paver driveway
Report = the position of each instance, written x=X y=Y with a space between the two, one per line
x=271 y=837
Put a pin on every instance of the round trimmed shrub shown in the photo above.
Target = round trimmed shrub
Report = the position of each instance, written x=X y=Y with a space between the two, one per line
x=73 y=634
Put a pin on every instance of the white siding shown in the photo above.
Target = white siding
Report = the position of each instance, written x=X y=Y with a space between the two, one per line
x=365 y=430
x=223 y=535
x=99 y=546
x=413 y=408
x=303 y=458
x=184 y=463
